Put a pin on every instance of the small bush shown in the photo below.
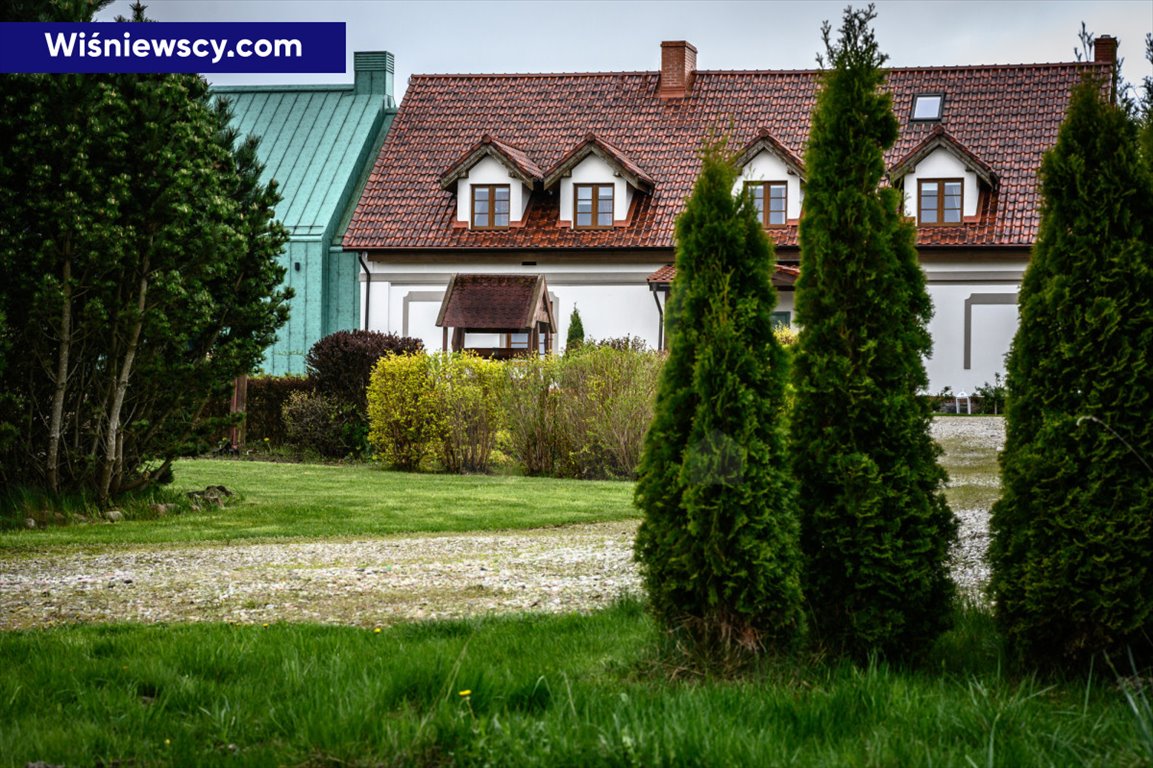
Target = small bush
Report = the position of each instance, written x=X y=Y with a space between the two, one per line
x=990 y=398
x=468 y=396
x=404 y=420
x=530 y=407
x=786 y=335
x=322 y=423
x=619 y=343
x=341 y=363
x=264 y=412
x=605 y=404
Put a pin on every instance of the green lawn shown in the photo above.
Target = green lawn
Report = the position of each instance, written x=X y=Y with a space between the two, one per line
x=338 y=501
x=574 y=690
x=543 y=690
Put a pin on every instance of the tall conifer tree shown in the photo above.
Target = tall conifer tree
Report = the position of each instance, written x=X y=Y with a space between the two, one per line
x=718 y=545
x=576 y=332
x=1073 y=529
x=875 y=528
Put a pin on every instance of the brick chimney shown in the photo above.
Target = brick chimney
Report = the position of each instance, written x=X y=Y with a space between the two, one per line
x=1105 y=50
x=678 y=69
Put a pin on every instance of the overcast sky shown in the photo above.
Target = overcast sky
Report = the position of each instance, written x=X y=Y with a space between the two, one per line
x=430 y=36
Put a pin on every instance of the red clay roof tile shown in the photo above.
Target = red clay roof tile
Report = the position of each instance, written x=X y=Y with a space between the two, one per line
x=1005 y=116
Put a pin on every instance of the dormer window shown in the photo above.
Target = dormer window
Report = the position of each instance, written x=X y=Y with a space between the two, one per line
x=928 y=106
x=940 y=201
x=480 y=179
x=772 y=175
x=943 y=181
x=771 y=201
x=597 y=185
x=490 y=206
x=593 y=206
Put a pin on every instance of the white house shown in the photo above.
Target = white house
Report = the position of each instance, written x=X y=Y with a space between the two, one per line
x=580 y=178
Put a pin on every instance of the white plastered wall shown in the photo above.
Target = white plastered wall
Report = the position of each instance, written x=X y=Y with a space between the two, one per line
x=489 y=170
x=593 y=170
x=768 y=167
x=614 y=300
x=986 y=303
x=941 y=164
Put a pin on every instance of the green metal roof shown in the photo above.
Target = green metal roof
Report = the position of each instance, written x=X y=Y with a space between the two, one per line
x=315 y=140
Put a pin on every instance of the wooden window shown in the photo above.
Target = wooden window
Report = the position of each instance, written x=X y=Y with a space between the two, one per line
x=518 y=341
x=490 y=206
x=592 y=206
x=939 y=201
x=771 y=200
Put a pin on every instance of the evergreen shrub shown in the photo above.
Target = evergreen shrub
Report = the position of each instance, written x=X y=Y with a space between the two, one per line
x=875 y=528
x=576 y=332
x=1072 y=532
x=718 y=545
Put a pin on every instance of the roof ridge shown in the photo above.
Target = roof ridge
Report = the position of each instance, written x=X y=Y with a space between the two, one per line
x=746 y=72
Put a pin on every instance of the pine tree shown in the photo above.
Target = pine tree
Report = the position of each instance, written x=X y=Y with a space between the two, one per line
x=576 y=332
x=718 y=545
x=1073 y=530
x=875 y=528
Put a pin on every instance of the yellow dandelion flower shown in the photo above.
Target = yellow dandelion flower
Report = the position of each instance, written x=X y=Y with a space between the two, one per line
x=466 y=692
x=376 y=631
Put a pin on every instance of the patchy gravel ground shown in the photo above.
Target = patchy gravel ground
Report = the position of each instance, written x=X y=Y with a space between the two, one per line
x=372 y=582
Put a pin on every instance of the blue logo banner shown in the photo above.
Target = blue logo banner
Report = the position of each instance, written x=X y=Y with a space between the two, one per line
x=206 y=47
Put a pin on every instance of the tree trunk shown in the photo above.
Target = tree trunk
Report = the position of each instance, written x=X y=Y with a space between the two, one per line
x=55 y=424
x=112 y=434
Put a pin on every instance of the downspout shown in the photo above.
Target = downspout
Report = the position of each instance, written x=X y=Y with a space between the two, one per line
x=661 y=315
x=367 y=286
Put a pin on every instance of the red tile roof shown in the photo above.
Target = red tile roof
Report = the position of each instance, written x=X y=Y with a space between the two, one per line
x=783 y=275
x=593 y=144
x=492 y=302
x=1006 y=116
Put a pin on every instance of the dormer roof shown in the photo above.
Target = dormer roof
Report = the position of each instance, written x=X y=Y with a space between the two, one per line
x=592 y=144
x=765 y=141
x=939 y=138
x=518 y=163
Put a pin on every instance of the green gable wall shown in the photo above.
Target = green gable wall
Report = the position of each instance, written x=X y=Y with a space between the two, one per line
x=318 y=142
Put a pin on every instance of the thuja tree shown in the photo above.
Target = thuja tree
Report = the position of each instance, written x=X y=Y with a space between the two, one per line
x=875 y=528
x=140 y=251
x=718 y=544
x=576 y=332
x=1073 y=529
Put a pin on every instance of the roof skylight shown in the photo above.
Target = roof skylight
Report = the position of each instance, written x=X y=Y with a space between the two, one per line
x=928 y=106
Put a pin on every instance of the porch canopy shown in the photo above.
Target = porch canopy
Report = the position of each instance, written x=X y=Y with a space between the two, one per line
x=497 y=316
